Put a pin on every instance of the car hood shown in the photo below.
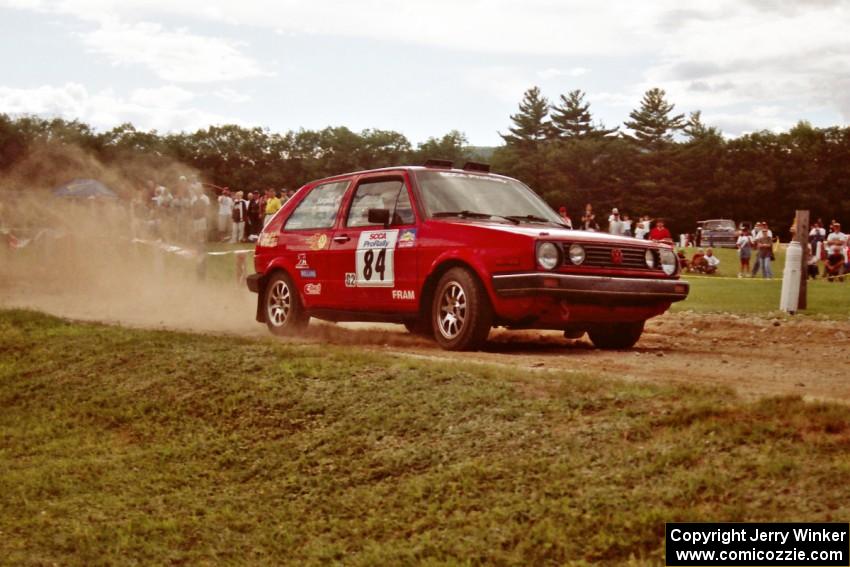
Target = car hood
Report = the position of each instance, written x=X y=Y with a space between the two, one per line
x=540 y=231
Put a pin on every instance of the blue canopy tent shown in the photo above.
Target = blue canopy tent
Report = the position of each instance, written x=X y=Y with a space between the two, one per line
x=85 y=189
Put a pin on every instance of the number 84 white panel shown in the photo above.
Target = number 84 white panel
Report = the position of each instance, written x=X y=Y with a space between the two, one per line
x=375 y=258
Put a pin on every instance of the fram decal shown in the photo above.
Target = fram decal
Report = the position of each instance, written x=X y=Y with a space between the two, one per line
x=318 y=241
x=313 y=289
x=407 y=238
x=308 y=273
x=405 y=294
x=350 y=279
x=302 y=261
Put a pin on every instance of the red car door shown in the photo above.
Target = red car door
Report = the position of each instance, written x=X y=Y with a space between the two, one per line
x=374 y=267
x=306 y=239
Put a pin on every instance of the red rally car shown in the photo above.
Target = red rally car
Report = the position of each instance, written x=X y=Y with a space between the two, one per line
x=451 y=253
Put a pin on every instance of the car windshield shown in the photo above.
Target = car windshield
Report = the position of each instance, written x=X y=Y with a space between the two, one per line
x=449 y=193
x=719 y=225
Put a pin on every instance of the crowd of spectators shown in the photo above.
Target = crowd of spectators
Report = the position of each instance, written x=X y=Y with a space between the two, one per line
x=831 y=248
x=187 y=213
x=644 y=228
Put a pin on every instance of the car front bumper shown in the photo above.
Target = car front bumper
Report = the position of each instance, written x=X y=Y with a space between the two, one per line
x=591 y=289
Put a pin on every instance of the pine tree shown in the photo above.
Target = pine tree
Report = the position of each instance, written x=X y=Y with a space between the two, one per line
x=531 y=123
x=696 y=130
x=652 y=124
x=572 y=120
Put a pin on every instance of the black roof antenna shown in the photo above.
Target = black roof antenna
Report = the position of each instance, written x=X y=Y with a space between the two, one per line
x=476 y=166
x=443 y=163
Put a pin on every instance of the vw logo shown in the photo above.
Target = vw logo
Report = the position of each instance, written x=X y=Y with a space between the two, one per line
x=616 y=256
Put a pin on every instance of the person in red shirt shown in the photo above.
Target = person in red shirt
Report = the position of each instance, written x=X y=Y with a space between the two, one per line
x=660 y=233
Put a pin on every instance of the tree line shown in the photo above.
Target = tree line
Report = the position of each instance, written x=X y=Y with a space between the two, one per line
x=659 y=163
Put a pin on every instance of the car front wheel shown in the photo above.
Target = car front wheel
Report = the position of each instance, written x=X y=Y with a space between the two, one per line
x=461 y=314
x=283 y=310
x=615 y=335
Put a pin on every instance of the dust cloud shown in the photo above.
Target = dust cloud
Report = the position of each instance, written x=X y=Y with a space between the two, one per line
x=120 y=260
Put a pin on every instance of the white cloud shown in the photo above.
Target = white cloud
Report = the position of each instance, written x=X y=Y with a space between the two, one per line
x=160 y=108
x=725 y=57
x=552 y=72
x=173 y=55
x=232 y=96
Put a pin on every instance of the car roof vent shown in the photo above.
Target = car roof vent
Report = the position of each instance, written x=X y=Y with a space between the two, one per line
x=444 y=163
x=476 y=166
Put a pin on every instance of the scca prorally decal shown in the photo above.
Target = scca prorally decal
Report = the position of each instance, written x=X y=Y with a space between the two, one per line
x=313 y=289
x=308 y=273
x=302 y=261
x=375 y=258
x=404 y=294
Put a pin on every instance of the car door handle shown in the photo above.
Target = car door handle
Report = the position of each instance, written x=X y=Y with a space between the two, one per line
x=342 y=238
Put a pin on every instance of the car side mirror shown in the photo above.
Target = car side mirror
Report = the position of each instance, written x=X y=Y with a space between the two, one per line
x=379 y=216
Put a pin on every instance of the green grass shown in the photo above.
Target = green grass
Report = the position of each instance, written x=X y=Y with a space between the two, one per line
x=718 y=293
x=123 y=446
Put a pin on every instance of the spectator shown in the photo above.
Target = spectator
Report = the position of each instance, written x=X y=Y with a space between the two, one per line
x=817 y=236
x=615 y=225
x=273 y=205
x=254 y=220
x=200 y=205
x=660 y=233
x=836 y=246
x=812 y=265
x=588 y=219
x=745 y=251
x=642 y=227
x=683 y=260
x=626 y=225
x=764 y=244
x=565 y=218
x=698 y=262
x=225 y=213
x=712 y=262
x=239 y=214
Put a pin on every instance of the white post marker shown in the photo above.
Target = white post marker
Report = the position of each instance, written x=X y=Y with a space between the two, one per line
x=791 y=278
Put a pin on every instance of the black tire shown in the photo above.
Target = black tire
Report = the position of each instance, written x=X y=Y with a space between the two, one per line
x=461 y=314
x=419 y=327
x=282 y=306
x=616 y=335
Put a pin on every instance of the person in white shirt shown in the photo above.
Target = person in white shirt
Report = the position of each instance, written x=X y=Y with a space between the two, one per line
x=240 y=215
x=711 y=261
x=627 y=226
x=225 y=213
x=836 y=249
x=615 y=225
x=745 y=251
x=763 y=240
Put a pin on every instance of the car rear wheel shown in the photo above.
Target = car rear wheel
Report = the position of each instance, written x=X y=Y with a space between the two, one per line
x=283 y=310
x=461 y=314
x=616 y=335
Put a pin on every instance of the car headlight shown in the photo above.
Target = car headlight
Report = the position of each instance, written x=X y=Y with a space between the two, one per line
x=650 y=259
x=577 y=254
x=669 y=261
x=548 y=256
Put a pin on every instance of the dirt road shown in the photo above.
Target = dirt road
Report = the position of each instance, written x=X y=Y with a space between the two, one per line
x=754 y=356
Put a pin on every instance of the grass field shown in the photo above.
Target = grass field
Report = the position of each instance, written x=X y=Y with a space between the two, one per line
x=724 y=292
x=123 y=446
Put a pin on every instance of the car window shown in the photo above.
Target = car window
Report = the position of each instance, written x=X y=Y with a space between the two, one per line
x=390 y=194
x=319 y=208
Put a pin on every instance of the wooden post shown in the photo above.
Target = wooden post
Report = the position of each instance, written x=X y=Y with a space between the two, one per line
x=802 y=222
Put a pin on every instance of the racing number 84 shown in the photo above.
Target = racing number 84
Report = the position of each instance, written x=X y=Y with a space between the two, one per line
x=380 y=263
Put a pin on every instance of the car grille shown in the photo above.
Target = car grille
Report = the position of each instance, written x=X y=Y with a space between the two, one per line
x=599 y=256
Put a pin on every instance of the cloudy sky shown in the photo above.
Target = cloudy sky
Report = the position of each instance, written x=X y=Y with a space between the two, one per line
x=421 y=67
